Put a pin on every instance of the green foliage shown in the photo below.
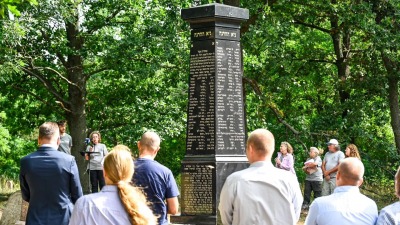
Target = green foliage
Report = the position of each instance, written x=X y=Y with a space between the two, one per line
x=11 y=151
x=12 y=6
x=136 y=63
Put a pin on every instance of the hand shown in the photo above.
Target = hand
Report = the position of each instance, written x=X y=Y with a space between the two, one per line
x=278 y=161
x=91 y=149
x=326 y=174
x=327 y=178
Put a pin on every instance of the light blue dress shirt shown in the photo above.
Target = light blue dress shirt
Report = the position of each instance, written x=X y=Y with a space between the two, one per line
x=390 y=215
x=345 y=206
x=103 y=208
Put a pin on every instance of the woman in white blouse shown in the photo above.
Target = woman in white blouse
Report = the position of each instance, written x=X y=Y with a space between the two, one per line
x=118 y=202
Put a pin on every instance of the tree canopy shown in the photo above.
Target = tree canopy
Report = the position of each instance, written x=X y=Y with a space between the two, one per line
x=313 y=71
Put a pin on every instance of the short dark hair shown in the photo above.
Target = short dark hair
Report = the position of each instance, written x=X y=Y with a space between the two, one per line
x=48 y=129
x=61 y=122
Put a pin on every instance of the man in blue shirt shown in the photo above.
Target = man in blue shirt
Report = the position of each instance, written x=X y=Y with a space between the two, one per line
x=346 y=205
x=157 y=180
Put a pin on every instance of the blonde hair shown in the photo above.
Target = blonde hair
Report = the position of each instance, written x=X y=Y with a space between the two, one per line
x=288 y=146
x=353 y=151
x=119 y=168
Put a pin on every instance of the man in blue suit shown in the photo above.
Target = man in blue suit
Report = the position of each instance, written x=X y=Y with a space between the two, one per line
x=49 y=180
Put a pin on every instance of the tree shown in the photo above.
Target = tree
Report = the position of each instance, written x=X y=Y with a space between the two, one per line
x=54 y=51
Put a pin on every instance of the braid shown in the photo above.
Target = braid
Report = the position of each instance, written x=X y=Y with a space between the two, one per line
x=134 y=201
x=119 y=168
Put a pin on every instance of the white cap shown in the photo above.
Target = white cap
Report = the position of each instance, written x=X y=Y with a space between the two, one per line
x=333 y=142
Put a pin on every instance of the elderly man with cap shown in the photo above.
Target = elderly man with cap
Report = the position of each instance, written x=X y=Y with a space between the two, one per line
x=330 y=166
x=346 y=205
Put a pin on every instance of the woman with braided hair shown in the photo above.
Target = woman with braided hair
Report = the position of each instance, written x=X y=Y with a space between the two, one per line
x=118 y=202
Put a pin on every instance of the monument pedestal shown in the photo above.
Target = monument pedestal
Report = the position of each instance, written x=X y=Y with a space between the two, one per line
x=216 y=133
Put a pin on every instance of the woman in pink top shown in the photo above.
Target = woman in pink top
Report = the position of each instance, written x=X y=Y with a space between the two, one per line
x=285 y=158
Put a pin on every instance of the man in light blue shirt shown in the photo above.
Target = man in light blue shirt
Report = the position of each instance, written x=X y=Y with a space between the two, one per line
x=346 y=205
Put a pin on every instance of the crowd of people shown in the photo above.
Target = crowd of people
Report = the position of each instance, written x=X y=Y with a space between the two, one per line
x=123 y=190
x=142 y=191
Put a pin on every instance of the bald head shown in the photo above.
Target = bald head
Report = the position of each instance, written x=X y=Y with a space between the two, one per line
x=351 y=172
x=262 y=143
x=150 y=141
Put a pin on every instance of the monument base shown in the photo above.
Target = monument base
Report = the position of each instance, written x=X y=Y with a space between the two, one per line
x=193 y=220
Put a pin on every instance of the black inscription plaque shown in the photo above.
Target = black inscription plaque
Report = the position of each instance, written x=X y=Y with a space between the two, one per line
x=215 y=113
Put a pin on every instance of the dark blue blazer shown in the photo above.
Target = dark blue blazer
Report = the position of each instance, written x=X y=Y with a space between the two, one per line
x=50 y=182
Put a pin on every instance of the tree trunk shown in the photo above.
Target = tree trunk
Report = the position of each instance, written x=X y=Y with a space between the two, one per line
x=75 y=112
x=393 y=81
x=341 y=43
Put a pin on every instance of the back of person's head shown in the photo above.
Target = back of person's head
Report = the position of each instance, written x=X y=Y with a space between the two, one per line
x=119 y=168
x=49 y=131
x=150 y=141
x=288 y=146
x=351 y=172
x=397 y=182
x=262 y=142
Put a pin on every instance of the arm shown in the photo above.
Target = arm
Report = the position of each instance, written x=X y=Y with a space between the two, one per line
x=226 y=203
x=334 y=169
x=25 y=192
x=297 y=199
x=75 y=183
x=172 y=205
x=80 y=215
x=287 y=162
x=311 y=218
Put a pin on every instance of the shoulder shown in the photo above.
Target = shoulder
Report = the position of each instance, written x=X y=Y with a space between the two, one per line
x=390 y=210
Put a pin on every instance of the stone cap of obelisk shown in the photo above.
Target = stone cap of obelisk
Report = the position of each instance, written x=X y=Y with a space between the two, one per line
x=214 y=11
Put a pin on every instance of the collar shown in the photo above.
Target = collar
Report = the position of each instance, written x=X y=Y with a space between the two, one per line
x=49 y=145
x=148 y=157
x=109 y=188
x=347 y=188
x=261 y=164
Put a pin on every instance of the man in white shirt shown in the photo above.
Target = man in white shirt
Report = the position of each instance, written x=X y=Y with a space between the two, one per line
x=262 y=193
x=346 y=205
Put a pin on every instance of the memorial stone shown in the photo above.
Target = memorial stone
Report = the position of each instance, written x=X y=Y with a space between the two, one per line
x=216 y=133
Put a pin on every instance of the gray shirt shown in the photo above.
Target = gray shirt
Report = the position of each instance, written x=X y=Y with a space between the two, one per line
x=96 y=159
x=65 y=143
x=316 y=176
x=333 y=159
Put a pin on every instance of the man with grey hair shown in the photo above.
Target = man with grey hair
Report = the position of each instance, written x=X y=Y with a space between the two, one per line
x=330 y=166
x=157 y=180
x=262 y=193
x=346 y=206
